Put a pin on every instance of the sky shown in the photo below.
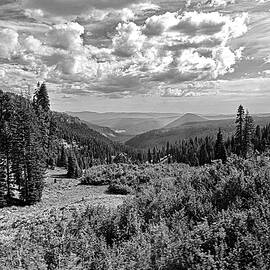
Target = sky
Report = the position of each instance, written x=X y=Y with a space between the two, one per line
x=203 y=56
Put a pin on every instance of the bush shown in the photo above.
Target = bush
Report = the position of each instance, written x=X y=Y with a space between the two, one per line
x=212 y=217
x=118 y=188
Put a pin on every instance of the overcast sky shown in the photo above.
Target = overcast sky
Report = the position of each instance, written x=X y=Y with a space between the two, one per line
x=202 y=56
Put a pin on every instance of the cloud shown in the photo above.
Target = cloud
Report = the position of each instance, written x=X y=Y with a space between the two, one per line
x=75 y=7
x=191 y=89
x=8 y=42
x=156 y=25
x=213 y=23
x=129 y=39
x=122 y=48
x=66 y=36
x=209 y=3
x=2 y=73
x=34 y=13
x=31 y=44
x=173 y=48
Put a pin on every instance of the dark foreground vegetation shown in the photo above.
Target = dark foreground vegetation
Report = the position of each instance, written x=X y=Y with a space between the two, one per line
x=211 y=217
x=128 y=178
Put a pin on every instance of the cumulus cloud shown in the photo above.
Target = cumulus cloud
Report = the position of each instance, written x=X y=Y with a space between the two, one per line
x=176 y=48
x=129 y=39
x=31 y=44
x=34 y=13
x=8 y=42
x=210 y=3
x=157 y=24
x=120 y=48
x=66 y=36
x=2 y=73
x=213 y=23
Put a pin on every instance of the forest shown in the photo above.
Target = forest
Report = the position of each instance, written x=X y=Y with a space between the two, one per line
x=33 y=138
x=247 y=140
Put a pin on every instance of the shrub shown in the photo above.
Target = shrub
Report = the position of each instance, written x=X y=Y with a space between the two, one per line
x=212 y=217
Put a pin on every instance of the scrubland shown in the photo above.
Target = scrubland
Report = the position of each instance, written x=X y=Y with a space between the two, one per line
x=178 y=217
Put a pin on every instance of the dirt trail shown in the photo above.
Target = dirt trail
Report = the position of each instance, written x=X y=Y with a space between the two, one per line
x=60 y=194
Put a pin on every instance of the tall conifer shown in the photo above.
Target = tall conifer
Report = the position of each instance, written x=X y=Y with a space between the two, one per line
x=220 y=150
x=239 y=134
x=248 y=134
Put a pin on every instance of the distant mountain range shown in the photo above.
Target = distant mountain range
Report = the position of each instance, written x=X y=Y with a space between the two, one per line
x=188 y=128
x=126 y=125
x=143 y=130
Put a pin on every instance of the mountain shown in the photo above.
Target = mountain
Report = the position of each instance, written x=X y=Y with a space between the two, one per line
x=127 y=124
x=109 y=133
x=160 y=137
x=73 y=128
x=186 y=118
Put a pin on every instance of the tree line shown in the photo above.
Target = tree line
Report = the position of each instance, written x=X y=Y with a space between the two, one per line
x=24 y=139
x=33 y=138
x=246 y=140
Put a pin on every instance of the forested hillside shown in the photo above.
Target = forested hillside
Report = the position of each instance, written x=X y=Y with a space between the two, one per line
x=244 y=139
x=201 y=129
x=32 y=137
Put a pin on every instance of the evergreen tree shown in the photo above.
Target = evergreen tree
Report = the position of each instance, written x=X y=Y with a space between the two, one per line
x=239 y=135
x=149 y=156
x=6 y=136
x=34 y=159
x=248 y=134
x=203 y=155
x=220 y=150
x=258 y=139
x=3 y=187
x=41 y=104
x=73 y=170
x=167 y=148
x=41 y=98
x=63 y=161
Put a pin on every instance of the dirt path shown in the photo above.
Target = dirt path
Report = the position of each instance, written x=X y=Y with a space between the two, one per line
x=60 y=194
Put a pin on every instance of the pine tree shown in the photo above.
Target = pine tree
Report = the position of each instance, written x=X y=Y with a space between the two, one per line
x=3 y=187
x=34 y=158
x=220 y=150
x=154 y=155
x=203 y=155
x=73 y=170
x=258 y=139
x=149 y=156
x=63 y=161
x=41 y=104
x=41 y=98
x=239 y=135
x=248 y=134
x=6 y=136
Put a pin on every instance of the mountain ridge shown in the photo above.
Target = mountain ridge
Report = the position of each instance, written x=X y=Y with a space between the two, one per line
x=186 y=118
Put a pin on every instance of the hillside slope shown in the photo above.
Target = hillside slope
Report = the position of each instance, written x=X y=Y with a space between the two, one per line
x=127 y=123
x=186 y=118
x=160 y=137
